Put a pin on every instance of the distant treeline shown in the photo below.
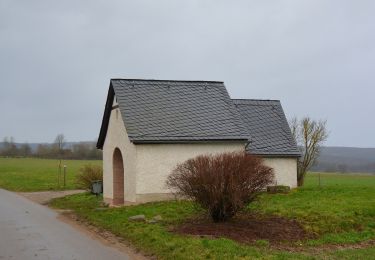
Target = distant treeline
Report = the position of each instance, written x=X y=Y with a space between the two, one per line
x=331 y=159
x=346 y=160
x=57 y=150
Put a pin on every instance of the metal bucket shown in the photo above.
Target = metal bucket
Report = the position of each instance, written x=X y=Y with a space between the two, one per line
x=97 y=187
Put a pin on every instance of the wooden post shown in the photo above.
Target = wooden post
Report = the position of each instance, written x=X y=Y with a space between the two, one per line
x=58 y=174
x=64 y=176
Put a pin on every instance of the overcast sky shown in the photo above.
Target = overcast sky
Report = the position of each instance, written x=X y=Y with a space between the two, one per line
x=57 y=57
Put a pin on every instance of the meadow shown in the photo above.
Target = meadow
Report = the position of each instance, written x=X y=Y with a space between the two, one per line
x=31 y=174
x=339 y=213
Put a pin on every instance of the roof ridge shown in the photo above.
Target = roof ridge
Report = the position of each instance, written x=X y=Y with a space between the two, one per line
x=254 y=99
x=152 y=115
x=167 y=80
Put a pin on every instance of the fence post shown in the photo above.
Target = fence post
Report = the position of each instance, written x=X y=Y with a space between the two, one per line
x=64 y=176
x=58 y=175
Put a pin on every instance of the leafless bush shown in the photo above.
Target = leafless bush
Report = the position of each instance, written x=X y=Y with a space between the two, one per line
x=223 y=184
x=87 y=174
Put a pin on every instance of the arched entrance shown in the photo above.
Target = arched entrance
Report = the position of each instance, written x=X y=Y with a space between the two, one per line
x=118 y=178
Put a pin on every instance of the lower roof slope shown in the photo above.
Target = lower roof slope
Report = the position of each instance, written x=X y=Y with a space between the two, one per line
x=269 y=129
x=162 y=111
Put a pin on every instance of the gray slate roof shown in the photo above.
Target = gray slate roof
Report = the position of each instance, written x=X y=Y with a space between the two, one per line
x=269 y=129
x=167 y=111
x=159 y=111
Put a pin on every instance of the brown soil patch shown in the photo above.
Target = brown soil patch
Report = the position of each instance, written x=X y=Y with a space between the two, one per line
x=247 y=228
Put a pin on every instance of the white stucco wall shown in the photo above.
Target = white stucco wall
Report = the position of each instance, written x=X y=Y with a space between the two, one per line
x=285 y=170
x=156 y=161
x=117 y=137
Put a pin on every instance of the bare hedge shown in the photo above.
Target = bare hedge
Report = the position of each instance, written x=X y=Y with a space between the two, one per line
x=222 y=184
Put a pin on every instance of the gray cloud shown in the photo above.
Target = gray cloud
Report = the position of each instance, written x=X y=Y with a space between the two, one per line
x=57 y=57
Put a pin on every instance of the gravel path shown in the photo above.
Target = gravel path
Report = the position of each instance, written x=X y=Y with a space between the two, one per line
x=43 y=197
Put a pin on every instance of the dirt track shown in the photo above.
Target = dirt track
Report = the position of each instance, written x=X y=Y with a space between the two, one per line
x=43 y=197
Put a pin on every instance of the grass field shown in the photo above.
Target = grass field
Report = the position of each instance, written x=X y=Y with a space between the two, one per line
x=29 y=174
x=342 y=210
x=339 y=212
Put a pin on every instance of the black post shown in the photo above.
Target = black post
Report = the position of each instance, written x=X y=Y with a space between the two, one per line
x=59 y=174
x=64 y=176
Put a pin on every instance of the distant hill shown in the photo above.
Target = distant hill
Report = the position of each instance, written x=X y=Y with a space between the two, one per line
x=346 y=159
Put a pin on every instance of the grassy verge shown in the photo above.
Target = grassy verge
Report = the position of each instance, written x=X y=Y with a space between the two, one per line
x=30 y=174
x=339 y=212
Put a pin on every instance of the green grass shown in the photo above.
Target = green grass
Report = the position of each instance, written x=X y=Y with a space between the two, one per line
x=349 y=254
x=341 y=211
x=155 y=239
x=29 y=174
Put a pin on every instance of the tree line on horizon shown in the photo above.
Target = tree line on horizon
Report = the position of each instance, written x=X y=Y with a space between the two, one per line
x=56 y=150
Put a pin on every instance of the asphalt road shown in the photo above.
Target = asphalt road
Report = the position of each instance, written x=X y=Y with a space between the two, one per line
x=32 y=231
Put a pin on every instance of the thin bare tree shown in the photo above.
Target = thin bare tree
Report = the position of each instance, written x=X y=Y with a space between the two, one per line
x=60 y=142
x=309 y=135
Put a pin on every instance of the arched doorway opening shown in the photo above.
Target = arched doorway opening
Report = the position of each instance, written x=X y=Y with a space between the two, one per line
x=118 y=178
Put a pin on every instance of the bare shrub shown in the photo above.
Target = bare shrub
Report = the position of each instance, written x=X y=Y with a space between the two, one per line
x=222 y=184
x=87 y=174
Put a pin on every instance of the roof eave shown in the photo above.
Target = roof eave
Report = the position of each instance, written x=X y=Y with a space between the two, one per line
x=272 y=155
x=192 y=141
